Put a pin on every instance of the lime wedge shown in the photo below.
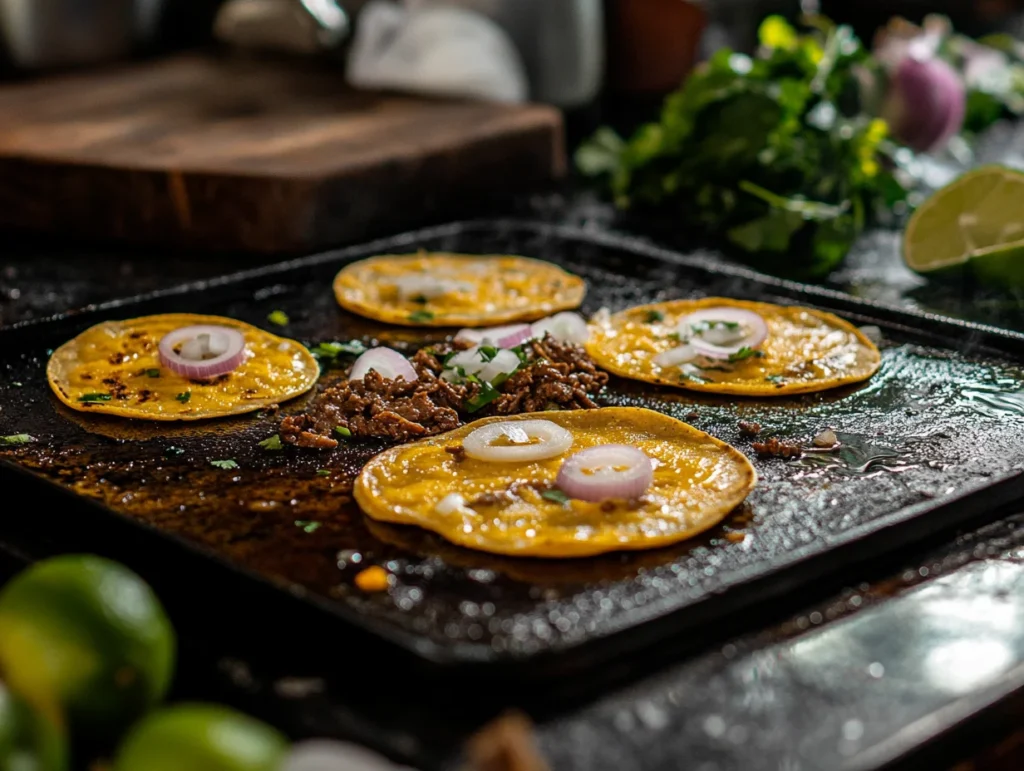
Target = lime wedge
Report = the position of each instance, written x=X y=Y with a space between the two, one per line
x=976 y=222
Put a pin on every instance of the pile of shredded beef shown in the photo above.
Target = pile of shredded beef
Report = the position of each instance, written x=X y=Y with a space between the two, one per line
x=558 y=376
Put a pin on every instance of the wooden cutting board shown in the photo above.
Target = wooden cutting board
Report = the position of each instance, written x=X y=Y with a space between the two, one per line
x=257 y=155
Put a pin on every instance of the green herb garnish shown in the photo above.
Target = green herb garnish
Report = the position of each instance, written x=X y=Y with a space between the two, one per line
x=488 y=393
x=421 y=315
x=745 y=353
x=279 y=318
x=173 y=452
x=16 y=383
x=16 y=439
x=654 y=316
x=420 y=299
x=776 y=154
x=94 y=398
x=272 y=443
x=224 y=464
x=323 y=472
x=184 y=396
x=153 y=372
x=328 y=353
x=308 y=526
x=488 y=352
x=555 y=495
x=342 y=431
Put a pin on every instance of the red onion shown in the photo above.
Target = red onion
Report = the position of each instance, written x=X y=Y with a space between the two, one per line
x=753 y=330
x=389 y=364
x=606 y=471
x=500 y=337
x=203 y=351
x=517 y=441
x=926 y=103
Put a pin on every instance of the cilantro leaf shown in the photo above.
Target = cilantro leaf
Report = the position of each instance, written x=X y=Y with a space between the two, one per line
x=745 y=353
x=153 y=372
x=278 y=318
x=224 y=464
x=421 y=315
x=342 y=432
x=323 y=472
x=327 y=353
x=94 y=398
x=488 y=393
x=555 y=495
x=272 y=443
x=308 y=526
x=16 y=439
x=184 y=396
x=488 y=352
x=654 y=316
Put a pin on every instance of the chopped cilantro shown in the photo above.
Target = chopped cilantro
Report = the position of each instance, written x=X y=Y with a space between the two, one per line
x=520 y=351
x=342 y=431
x=327 y=353
x=421 y=315
x=555 y=495
x=94 y=398
x=184 y=396
x=153 y=372
x=272 y=443
x=706 y=326
x=173 y=452
x=279 y=318
x=420 y=299
x=488 y=394
x=16 y=439
x=775 y=379
x=16 y=384
x=323 y=472
x=224 y=464
x=675 y=336
x=308 y=526
x=488 y=352
x=653 y=316
x=745 y=353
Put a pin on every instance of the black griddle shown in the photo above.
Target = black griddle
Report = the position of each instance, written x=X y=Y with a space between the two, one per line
x=932 y=441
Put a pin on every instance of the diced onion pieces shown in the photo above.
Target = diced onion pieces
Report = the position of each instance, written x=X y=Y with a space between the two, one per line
x=500 y=337
x=389 y=364
x=517 y=441
x=606 y=472
x=202 y=351
x=566 y=327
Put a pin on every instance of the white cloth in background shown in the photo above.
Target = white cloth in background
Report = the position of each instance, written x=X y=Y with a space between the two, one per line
x=436 y=51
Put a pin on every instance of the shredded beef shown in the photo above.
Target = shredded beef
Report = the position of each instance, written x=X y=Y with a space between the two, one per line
x=559 y=376
x=774 y=448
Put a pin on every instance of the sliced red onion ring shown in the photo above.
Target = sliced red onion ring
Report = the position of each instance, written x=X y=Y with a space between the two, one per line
x=755 y=331
x=567 y=327
x=389 y=364
x=517 y=441
x=202 y=351
x=500 y=337
x=606 y=471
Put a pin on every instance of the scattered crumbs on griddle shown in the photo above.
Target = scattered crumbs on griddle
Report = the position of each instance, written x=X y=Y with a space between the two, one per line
x=749 y=428
x=826 y=439
x=457 y=451
x=373 y=579
x=735 y=537
x=272 y=443
x=692 y=415
x=278 y=318
x=224 y=464
x=505 y=744
x=775 y=448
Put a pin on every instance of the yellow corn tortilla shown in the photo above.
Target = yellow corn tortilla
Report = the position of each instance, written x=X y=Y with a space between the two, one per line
x=504 y=289
x=806 y=350
x=698 y=480
x=120 y=358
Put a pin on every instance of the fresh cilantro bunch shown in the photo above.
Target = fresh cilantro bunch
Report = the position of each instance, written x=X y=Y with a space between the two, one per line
x=773 y=153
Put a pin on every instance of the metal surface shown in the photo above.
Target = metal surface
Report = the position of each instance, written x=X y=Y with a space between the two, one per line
x=933 y=440
x=40 y=34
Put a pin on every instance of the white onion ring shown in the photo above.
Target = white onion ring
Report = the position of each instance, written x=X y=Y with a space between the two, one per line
x=673 y=357
x=389 y=364
x=567 y=327
x=531 y=440
x=758 y=330
x=500 y=337
x=605 y=472
x=224 y=345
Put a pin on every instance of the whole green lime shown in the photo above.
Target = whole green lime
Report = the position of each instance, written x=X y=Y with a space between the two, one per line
x=201 y=737
x=86 y=638
x=28 y=740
